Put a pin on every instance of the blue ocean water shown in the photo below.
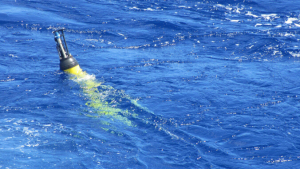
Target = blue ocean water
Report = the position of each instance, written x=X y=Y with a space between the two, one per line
x=188 y=84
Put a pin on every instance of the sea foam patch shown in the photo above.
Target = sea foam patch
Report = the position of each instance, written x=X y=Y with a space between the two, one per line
x=291 y=20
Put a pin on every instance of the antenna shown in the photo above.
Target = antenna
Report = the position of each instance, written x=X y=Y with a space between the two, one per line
x=67 y=61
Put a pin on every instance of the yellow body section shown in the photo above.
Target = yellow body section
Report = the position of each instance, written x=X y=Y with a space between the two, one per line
x=76 y=70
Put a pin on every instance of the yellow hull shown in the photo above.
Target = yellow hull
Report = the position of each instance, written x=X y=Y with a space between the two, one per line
x=76 y=70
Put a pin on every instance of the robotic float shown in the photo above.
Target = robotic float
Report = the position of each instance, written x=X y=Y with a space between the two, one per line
x=93 y=89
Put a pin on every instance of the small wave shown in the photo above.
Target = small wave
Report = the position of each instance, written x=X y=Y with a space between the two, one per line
x=250 y=14
x=269 y=16
x=294 y=54
x=291 y=20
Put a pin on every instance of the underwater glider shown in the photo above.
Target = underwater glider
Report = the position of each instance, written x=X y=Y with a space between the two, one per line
x=102 y=98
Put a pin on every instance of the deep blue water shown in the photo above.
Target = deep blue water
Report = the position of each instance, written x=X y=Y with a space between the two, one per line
x=216 y=82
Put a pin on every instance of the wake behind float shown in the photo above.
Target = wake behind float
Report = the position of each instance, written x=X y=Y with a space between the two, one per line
x=67 y=62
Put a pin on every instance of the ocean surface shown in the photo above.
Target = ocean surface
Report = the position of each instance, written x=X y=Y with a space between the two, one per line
x=170 y=84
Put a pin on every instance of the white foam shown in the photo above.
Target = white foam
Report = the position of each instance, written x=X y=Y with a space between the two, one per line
x=14 y=56
x=228 y=8
x=30 y=132
x=237 y=10
x=149 y=9
x=96 y=40
x=250 y=14
x=258 y=24
x=288 y=34
x=295 y=54
x=234 y=20
x=275 y=52
x=85 y=78
x=184 y=7
x=32 y=145
x=220 y=5
x=268 y=16
x=291 y=20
